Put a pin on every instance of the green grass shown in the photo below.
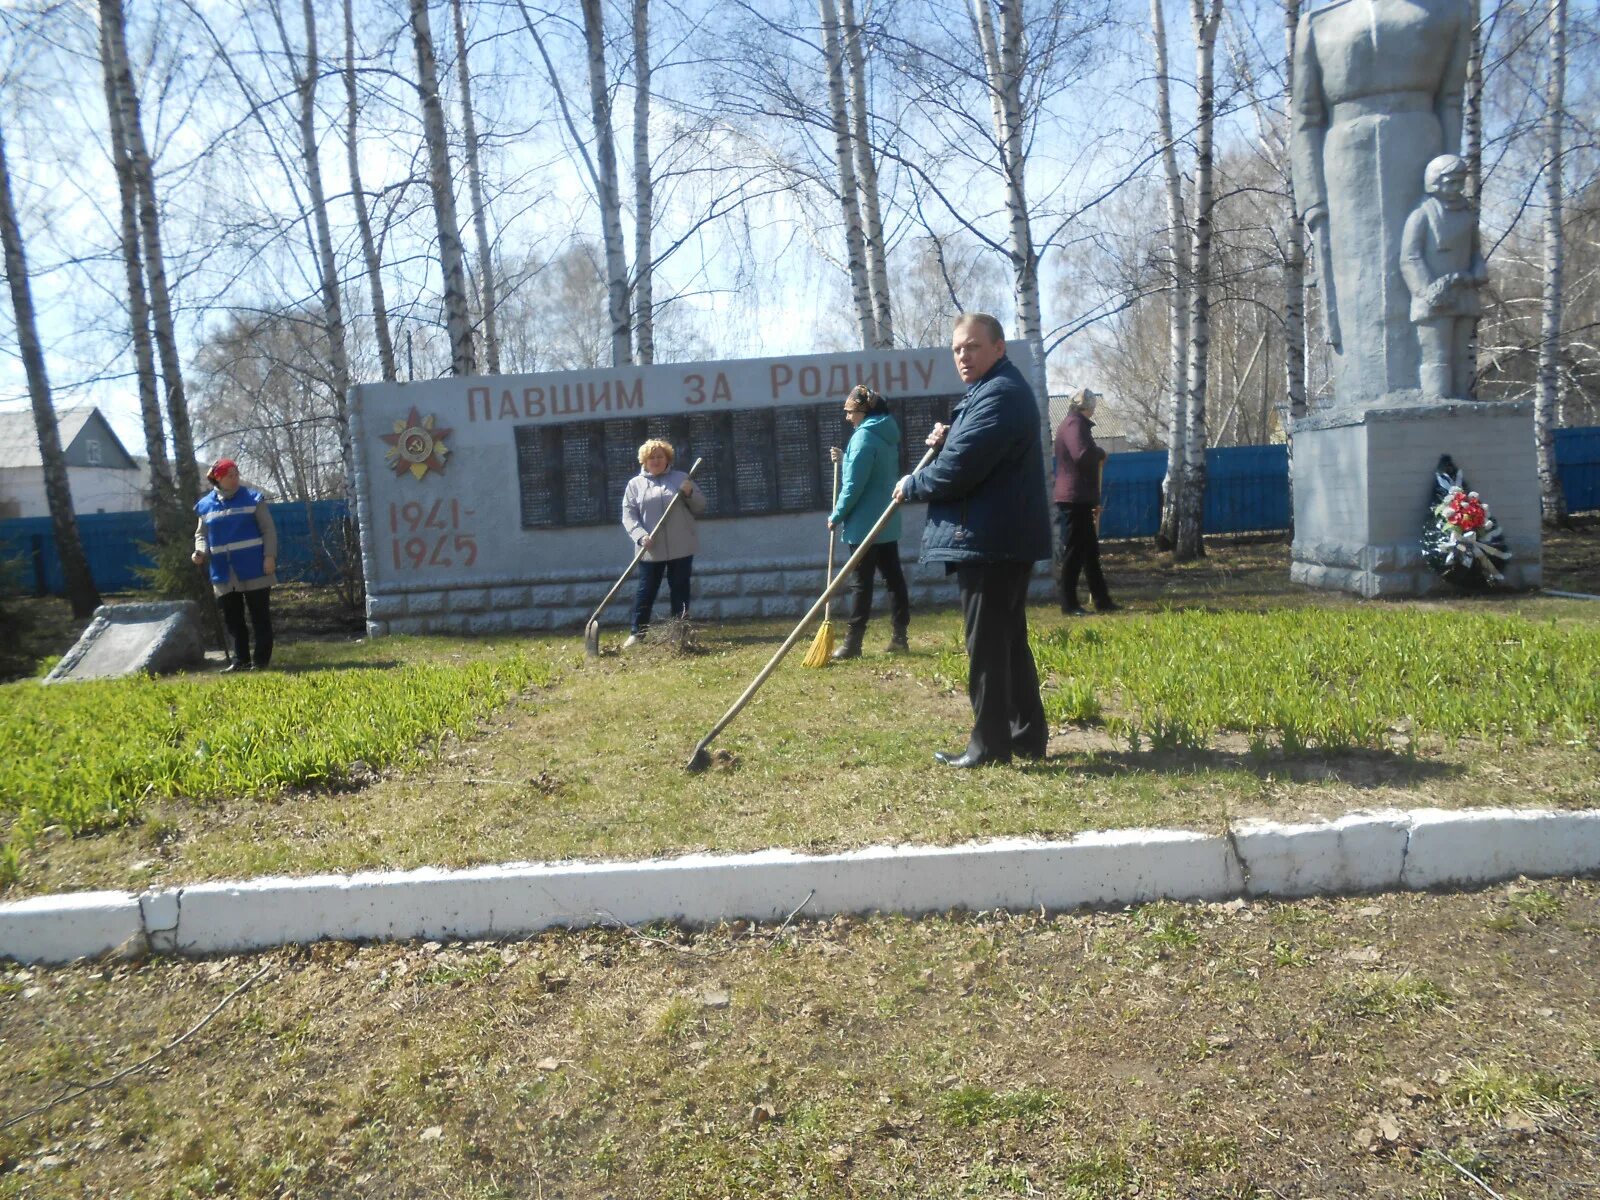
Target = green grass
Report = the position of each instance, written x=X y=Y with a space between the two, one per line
x=1324 y=678
x=92 y=756
x=1161 y=718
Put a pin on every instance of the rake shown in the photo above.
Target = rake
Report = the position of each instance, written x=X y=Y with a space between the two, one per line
x=821 y=652
x=591 y=630
x=701 y=759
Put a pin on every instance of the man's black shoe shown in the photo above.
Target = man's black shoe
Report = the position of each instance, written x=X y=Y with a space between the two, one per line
x=966 y=759
x=1074 y=610
x=1031 y=754
x=1108 y=606
x=235 y=666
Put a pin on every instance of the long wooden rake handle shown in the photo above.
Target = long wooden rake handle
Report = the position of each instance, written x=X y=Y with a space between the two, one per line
x=623 y=578
x=831 y=539
x=697 y=761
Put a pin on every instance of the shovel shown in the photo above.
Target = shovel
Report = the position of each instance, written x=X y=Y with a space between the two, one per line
x=591 y=631
x=700 y=759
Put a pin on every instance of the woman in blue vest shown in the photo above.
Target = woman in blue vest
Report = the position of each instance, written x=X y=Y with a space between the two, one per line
x=237 y=539
x=871 y=467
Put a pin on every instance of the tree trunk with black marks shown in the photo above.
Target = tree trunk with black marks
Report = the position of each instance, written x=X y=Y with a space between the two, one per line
x=1546 y=406
x=185 y=471
x=163 y=489
x=1179 y=304
x=480 y=215
x=458 y=320
x=610 y=196
x=1205 y=16
x=81 y=592
x=849 y=196
x=644 y=320
x=867 y=180
x=369 y=245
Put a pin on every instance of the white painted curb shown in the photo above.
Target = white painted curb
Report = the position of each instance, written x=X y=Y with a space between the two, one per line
x=1363 y=852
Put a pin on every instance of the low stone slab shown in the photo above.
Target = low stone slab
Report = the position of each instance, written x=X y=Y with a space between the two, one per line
x=57 y=929
x=1362 y=852
x=133 y=639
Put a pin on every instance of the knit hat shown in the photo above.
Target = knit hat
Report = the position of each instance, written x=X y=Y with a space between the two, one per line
x=221 y=468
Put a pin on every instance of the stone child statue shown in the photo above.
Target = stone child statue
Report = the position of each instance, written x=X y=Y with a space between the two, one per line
x=1443 y=269
x=1378 y=86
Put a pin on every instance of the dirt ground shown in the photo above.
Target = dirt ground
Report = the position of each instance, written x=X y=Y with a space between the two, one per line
x=1426 y=1047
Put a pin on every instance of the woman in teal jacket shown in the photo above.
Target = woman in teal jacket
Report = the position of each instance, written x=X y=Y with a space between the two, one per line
x=871 y=467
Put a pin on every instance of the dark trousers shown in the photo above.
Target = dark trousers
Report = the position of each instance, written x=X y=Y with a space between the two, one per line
x=1080 y=554
x=677 y=571
x=259 y=603
x=1002 y=682
x=883 y=558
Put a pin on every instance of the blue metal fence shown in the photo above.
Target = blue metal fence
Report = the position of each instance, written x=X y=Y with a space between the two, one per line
x=1578 y=460
x=1247 y=491
x=308 y=540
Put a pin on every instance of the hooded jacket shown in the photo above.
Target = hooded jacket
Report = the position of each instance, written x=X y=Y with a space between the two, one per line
x=985 y=488
x=867 y=479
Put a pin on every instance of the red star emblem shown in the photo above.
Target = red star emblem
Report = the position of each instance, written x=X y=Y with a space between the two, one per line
x=416 y=445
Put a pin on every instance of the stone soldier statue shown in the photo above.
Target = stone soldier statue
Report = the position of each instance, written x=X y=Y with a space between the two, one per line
x=1377 y=95
x=1443 y=269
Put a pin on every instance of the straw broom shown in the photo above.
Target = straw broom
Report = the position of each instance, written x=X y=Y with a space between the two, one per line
x=821 y=652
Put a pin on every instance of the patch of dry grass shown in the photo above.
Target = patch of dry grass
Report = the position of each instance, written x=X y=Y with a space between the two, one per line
x=1322 y=1049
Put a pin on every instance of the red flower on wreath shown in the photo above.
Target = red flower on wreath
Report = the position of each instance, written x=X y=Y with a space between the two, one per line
x=1466 y=511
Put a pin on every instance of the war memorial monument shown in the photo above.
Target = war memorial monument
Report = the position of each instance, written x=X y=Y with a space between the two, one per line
x=1377 y=117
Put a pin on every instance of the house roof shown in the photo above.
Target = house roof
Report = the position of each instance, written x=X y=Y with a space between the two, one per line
x=1108 y=422
x=19 y=439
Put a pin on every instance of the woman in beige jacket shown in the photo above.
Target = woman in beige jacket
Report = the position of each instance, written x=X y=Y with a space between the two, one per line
x=670 y=550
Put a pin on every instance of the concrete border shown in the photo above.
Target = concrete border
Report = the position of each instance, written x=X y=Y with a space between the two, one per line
x=1362 y=852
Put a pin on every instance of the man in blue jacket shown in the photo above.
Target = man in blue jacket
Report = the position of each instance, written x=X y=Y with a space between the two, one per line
x=989 y=522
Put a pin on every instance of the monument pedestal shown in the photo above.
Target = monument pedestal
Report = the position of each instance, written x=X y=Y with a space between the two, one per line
x=1363 y=480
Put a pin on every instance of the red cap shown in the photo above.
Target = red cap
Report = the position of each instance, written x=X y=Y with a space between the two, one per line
x=220 y=468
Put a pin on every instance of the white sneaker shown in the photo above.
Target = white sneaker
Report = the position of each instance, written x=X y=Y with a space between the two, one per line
x=633 y=640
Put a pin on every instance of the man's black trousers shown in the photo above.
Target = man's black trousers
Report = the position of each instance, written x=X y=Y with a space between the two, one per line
x=260 y=605
x=1002 y=682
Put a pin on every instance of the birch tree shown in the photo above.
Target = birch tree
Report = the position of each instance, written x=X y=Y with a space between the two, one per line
x=1205 y=16
x=81 y=591
x=305 y=83
x=1294 y=240
x=1178 y=305
x=358 y=197
x=606 y=184
x=644 y=322
x=115 y=43
x=480 y=216
x=844 y=156
x=1547 y=403
x=458 y=321
x=163 y=488
x=874 y=246
x=1002 y=49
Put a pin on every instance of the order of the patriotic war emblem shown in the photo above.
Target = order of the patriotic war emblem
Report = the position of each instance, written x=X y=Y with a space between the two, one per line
x=416 y=445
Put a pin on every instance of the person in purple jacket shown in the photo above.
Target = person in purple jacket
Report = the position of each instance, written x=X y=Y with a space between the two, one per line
x=1079 y=461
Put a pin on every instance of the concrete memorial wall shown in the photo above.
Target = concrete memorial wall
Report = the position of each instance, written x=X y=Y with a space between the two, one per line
x=494 y=504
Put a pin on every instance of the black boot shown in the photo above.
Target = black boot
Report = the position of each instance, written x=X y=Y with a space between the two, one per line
x=851 y=648
x=898 y=643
